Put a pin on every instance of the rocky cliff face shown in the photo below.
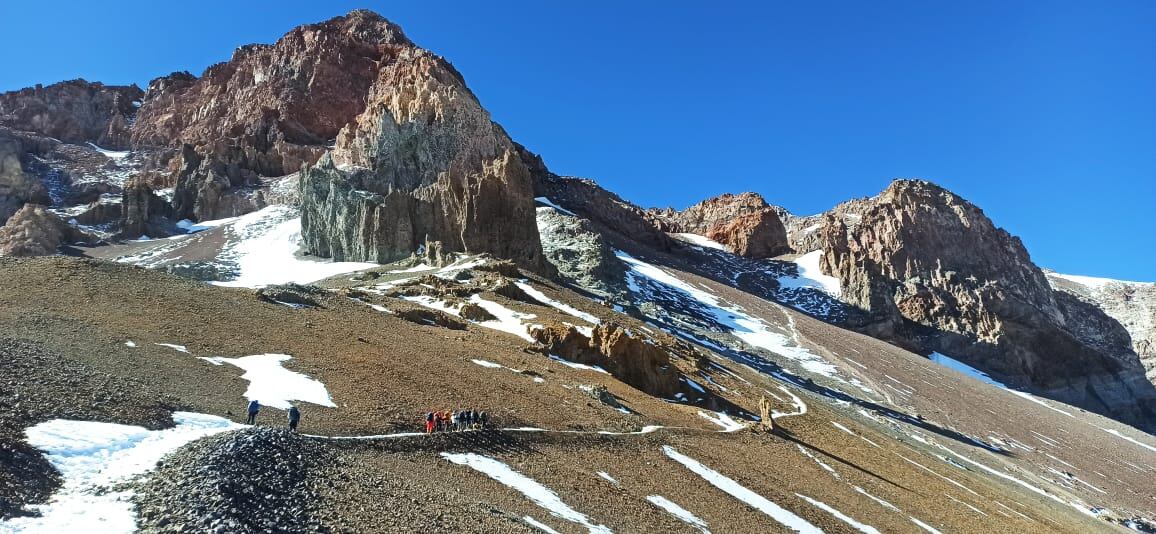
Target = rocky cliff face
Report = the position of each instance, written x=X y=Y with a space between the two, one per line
x=423 y=163
x=745 y=223
x=1131 y=304
x=272 y=108
x=266 y=112
x=16 y=186
x=803 y=232
x=931 y=271
x=74 y=111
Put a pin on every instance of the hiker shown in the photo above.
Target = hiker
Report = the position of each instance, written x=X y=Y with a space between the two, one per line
x=485 y=419
x=474 y=419
x=454 y=422
x=429 y=422
x=294 y=418
x=254 y=407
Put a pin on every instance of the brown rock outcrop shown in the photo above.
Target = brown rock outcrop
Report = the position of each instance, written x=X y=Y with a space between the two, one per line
x=630 y=359
x=16 y=186
x=745 y=223
x=422 y=163
x=74 y=111
x=34 y=231
x=931 y=271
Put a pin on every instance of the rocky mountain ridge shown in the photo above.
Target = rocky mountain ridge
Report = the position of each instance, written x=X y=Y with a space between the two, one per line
x=398 y=159
x=744 y=223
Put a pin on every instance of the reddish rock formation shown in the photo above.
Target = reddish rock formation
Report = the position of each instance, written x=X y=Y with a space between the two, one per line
x=930 y=270
x=74 y=111
x=745 y=223
x=630 y=359
x=272 y=108
x=34 y=231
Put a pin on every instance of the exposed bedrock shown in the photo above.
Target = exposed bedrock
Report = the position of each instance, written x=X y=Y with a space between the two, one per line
x=932 y=272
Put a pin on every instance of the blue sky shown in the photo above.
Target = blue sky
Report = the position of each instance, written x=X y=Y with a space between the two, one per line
x=1042 y=113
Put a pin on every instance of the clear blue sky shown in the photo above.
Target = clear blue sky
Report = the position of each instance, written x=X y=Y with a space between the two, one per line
x=1041 y=112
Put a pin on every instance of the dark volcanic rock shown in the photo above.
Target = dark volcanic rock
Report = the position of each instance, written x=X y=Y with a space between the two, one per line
x=579 y=253
x=931 y=271
x=745 y=223
x=253 y=480
x=74 y=111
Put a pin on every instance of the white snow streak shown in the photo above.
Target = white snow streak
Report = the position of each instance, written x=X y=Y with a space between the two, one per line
x=723 y=420
x=700 y=241
x=740 y=492
x=539 y=494
x=867 y=529
x=539 y=525
x=178 y=348
x=749 y=329
x=925 y=526
x=566 y=308
x=677 y=511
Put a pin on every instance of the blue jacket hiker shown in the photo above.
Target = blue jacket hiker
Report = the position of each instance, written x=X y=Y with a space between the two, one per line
x=254 y=407
x=294 y=418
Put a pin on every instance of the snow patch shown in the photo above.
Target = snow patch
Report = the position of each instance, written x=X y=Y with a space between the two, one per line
x=811 y=276
x=91 y=458
x=178 y=348
x=275 y=386
x=267 y=251
x=723 y=420
x=701 y=241
x=546 y=201
x=576 y=365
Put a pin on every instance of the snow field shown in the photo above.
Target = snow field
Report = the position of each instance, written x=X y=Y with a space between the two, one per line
x=92 y=459
x=266 y=252
x=749 y=329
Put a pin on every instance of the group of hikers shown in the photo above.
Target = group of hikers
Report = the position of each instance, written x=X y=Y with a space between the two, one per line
x=439 y=421
x=451 y=421
x=293 y=413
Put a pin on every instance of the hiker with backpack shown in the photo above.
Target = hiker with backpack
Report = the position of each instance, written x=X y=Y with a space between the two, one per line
x=254 y=407
x=294 y=418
